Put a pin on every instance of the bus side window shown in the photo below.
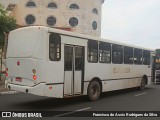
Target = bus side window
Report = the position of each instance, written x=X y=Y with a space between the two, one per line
x=128 y=55
x=146 y=57
x=54 y=47
x=92 y=51
x=104 y=52
x=137 y=56
x=117 y=54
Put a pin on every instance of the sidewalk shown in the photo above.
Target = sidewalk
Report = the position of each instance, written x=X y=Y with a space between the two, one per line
x=2 y=86
x=3 y=90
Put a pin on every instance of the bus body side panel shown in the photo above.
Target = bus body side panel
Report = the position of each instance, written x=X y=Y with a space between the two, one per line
x=55 y=76
x=73 y=79
x=116 y=76
x=141 y=70
x=33 y=55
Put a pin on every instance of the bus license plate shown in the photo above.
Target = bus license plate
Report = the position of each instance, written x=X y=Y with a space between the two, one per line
x=18 y=79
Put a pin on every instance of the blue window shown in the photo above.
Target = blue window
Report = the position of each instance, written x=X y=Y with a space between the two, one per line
x=30 y=4
x=95 y=11
x=52 y=5
x=74 y=6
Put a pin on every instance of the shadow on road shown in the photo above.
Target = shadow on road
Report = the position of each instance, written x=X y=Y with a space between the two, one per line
x=123 y=92
x=45 y=103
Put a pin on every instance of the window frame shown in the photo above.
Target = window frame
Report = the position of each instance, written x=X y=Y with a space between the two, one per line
x=68 y=64
x=119 y=60
x=135 y=56
x=55 y=48
x=79 y=56
x=94 y=23
x=51 y=7
x=32 y=16
x=95 y=11
x=89 y=51
x=128 y=55
x=106 y=47
x=70 y=22
x=33 y=6
x=74 y=6
x=146 y=63
x=47 y=21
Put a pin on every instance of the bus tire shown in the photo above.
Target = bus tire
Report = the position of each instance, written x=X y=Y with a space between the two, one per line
x=94 y=90
x=142 y=85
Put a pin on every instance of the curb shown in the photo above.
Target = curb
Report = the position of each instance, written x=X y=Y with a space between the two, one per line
x=9 y=92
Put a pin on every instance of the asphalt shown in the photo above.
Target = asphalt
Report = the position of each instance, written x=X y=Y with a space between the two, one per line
x=122 y=100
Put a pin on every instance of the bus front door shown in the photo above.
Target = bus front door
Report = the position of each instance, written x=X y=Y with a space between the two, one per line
x=73 y=70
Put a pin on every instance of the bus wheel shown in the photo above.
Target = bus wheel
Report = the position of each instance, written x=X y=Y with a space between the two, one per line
x=142 y=86
x=94 y=91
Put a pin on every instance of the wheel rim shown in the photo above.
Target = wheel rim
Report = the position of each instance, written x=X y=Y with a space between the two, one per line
x=143 y=84
x=94 y=90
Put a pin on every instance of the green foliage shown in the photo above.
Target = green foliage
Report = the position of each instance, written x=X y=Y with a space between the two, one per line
x=158 y=54
x=7 y=24
x=157 y=51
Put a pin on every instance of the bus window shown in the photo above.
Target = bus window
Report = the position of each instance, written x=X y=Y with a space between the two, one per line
x=68 y=58
x=137 y=56
x=78 y=58
x=54 y=47
x=128 y=55
x=92 y=51
x=146 y=57
x=117 y=54
x=104 y=52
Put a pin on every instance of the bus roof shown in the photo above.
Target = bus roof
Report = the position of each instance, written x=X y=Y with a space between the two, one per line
x=68 y=33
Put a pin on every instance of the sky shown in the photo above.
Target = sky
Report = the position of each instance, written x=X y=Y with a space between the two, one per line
x=135 y=22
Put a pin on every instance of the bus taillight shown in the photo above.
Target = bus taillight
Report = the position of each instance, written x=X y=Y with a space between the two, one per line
x=34 y=71
x=34 y=77
x=34 y=74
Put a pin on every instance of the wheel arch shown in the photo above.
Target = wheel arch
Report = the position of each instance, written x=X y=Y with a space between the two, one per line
x=146 y=79
x=98 y=80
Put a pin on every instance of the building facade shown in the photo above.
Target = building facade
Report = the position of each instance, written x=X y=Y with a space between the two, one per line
x=81 y=16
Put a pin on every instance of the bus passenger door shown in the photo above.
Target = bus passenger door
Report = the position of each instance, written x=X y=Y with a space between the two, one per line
x=73 y=69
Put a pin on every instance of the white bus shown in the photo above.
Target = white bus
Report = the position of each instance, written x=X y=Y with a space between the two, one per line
x=55 y=63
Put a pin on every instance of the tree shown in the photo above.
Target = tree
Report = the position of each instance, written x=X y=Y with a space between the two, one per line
x=7 y=24
x=158 y=54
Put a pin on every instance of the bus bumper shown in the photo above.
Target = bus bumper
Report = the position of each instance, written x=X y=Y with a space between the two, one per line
x=36 y=90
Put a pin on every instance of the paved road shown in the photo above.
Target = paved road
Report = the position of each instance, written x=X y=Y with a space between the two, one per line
x=124 y=100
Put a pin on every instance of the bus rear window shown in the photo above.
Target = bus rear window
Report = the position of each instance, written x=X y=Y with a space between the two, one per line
x=54 y=47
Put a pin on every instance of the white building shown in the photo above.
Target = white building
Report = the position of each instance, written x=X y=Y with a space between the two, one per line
x=81 y=16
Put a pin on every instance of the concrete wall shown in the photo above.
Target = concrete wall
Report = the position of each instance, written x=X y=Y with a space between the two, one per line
x=62 y=14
